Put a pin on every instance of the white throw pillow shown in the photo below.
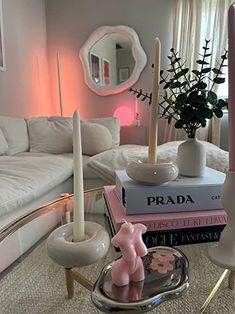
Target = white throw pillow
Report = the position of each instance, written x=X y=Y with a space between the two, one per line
x=15 y=133
x=113 y=125
x=95 y=138
x=3 y=143
x=50 y=135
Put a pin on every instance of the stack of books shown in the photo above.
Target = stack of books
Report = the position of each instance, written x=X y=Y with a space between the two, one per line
x=184 y=211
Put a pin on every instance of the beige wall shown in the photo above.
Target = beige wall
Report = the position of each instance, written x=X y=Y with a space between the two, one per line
x=24 y=87
x=69 y=23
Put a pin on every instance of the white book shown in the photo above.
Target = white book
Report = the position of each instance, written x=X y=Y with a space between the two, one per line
x=182 y=194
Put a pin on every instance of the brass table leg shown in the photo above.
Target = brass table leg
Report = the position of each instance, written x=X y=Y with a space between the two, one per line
x=70 y=276
x=231 y=279
x=69 y=282
x=214 y=290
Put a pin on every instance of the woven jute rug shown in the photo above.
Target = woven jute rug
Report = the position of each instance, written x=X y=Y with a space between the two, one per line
x=37 y=285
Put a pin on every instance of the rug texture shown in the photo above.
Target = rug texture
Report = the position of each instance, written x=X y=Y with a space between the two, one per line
x=37 y=286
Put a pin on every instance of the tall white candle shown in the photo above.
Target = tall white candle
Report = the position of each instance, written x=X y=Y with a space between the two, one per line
x=152 y=148
x=78 y=224
x=136 y=106
x=231 y=87
x=59 y=83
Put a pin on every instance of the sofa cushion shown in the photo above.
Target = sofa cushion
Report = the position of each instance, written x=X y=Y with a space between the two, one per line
x=3 y=143
x=113 y=126
x=15 y=133
x=25 y=179
x=95 y=138
x=50 y=135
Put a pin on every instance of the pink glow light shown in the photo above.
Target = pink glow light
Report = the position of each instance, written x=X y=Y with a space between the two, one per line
x=125 y=115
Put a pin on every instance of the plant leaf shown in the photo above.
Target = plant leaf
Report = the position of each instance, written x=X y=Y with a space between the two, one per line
x=216 y=71
x=201 y=62
x=196 y=72
x=187 y=113
x=175 y=85
x=181 y=99
x=221 y=103
x=179 y=124
x=203 y=113
x=201 y=100
x=201 y=85
x=212 y=97
x=167 y=85
x=192 y=97
x=219 y=80
x=206 y=70
x=219 y=113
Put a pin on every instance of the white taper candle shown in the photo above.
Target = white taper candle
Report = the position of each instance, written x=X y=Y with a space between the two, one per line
x=136 y=106
x=152 y=148
x=59 y=83
x=78 y=213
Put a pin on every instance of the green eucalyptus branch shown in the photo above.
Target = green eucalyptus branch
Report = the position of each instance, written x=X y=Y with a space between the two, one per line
x=188 y=101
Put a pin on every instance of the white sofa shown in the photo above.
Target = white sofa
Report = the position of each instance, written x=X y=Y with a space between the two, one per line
x=36 y=166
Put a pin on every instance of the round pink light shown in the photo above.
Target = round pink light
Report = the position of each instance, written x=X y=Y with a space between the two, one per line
x=125 y=115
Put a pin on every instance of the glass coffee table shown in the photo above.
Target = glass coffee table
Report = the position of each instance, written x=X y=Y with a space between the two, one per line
x=35 y=284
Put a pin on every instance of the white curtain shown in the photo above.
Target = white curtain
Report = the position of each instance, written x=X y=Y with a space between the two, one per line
x=195 y=21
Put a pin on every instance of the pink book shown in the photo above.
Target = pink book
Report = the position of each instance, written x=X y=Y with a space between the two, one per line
x=162 y=221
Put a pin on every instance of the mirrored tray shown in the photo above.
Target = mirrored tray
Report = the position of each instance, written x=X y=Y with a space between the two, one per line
x=143 y=296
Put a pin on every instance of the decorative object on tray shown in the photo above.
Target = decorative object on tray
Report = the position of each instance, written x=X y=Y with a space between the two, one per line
x=166 y=277
x=79 y=243
x=223 y=254
x=190 y=102
x=130 y=266
x=151 y=172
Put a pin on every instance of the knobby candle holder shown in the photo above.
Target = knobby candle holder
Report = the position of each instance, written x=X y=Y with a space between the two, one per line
x=151 y=174
x=79 y=243
x=69 y=254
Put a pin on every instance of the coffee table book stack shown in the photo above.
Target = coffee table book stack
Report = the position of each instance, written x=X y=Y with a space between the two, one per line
x=184 y=211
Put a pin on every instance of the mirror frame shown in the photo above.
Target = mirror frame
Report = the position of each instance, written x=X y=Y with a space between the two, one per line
x=137 y=52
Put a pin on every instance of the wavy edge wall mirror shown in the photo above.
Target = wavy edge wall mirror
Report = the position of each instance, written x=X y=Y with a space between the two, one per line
x=138 y=55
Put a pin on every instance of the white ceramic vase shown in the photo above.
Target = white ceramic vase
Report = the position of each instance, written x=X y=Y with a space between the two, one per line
x=191 y=158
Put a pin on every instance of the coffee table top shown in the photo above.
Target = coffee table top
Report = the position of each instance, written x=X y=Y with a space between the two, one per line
x=35 y=284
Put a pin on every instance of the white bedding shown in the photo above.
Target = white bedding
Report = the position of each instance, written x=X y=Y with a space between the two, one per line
x=23 y=179
x=105 y=163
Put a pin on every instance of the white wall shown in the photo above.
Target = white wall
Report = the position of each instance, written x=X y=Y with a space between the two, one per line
x=69 y=23
x=24 y=87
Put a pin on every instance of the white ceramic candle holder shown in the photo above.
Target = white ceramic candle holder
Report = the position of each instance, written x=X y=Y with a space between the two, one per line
x=69 y=254
x=151 y=174
x=223 y=254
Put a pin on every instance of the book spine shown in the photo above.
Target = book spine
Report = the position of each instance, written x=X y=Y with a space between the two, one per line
x=170 y=199
x=177 y=237
x=170 y=223
x=183 y=236
x=181 y=223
